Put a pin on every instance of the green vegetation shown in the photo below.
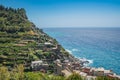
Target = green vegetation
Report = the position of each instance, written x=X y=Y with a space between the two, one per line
x=18 y=74
x=106 y=78
x=74 y=76
x=41 y=76
x=20 y=40
x=13 y=20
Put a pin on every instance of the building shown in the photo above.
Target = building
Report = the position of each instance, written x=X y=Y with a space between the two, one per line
x=58 y=69
x=56 y=49
x=75 y=66
x=86 y=70
x=48 y=43
x=100 y=72
x=36 y=64
x=39 y=66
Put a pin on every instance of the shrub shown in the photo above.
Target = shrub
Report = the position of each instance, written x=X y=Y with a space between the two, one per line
x=74 y=76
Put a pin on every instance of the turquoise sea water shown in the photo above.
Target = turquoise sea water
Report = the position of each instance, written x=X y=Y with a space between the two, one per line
x=101 y=46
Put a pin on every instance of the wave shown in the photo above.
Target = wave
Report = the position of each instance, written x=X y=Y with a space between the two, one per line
x=90 y=61
x=87 y=62
x=75 y=50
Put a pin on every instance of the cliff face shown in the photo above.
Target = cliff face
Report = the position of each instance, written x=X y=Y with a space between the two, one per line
x=22 y=42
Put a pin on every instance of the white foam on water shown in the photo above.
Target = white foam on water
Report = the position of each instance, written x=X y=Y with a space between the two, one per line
x=75 y=50
x=90 y=61
x=87 y=61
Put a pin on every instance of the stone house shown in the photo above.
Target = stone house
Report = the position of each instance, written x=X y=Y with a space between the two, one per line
x=39 y=65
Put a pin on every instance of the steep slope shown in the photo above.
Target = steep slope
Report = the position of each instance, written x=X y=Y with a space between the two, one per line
x=22 y=42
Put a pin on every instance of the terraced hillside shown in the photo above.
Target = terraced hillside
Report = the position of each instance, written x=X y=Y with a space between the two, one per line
x=22 y=42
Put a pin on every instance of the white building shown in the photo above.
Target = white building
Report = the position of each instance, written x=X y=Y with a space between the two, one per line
x=48 y=43
x=39 y=65
x=36 y=63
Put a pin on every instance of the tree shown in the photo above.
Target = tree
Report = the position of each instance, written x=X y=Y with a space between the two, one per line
x=2 y=7
x=20 y=71
x=74 y=76
x=56 y=78
x=22 y=12
x=4 y=73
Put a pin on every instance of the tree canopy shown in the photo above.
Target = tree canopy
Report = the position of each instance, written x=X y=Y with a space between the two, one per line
x=14 y=20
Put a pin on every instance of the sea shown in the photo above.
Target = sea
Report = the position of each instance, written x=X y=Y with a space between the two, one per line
x=100 y=46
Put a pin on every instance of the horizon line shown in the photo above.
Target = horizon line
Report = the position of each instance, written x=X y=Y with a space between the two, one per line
x=78 y=27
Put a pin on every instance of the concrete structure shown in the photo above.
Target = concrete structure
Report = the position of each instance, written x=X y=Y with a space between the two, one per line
x=35 y=64
x=58 y=69
x=47 y=43
x=75 y=66
x=86 y=70
x=39 y=65
x=100 y=72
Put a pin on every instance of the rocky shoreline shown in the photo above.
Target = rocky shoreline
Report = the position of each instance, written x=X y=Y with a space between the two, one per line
x=91 y=72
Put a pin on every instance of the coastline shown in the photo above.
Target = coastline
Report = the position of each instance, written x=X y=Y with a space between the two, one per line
x=78 y=48
x=77 y=65
x=33 y=50
x=92 y=72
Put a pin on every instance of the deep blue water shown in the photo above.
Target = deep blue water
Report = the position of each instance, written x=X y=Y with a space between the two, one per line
x=99 y=45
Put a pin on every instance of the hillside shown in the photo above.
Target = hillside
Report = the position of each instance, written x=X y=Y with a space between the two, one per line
x=22 y=42
x=27 y=53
